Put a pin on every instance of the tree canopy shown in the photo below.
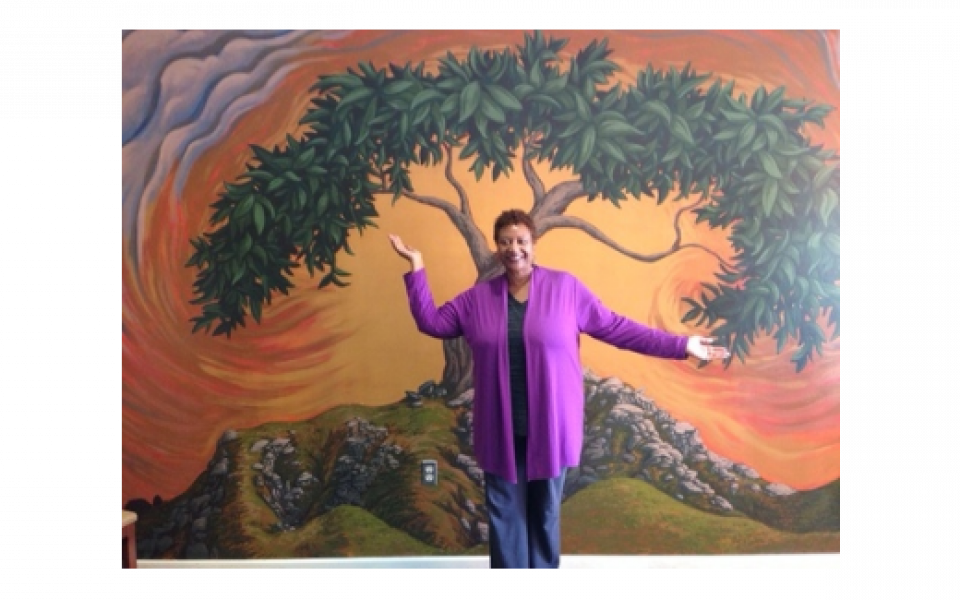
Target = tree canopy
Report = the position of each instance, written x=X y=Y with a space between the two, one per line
x=676 y=134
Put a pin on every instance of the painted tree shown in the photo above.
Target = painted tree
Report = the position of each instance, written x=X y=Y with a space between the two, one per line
x=746 y=162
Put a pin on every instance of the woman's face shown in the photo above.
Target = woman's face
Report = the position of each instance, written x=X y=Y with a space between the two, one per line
x=515 y=249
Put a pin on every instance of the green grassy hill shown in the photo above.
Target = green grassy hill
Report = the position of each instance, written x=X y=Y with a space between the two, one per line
x=628 y=516
x=346 y=483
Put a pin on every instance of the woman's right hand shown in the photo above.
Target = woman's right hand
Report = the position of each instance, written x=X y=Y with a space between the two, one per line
x=411 y=254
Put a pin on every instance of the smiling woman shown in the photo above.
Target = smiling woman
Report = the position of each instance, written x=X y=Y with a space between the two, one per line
x=523 y=328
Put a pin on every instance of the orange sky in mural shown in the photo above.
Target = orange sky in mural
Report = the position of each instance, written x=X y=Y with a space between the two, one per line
x=316 y=349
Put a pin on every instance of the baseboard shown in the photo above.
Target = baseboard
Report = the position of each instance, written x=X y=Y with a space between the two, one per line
x=574 y=561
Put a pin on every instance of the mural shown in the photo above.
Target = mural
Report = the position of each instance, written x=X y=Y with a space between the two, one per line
x=277 y=398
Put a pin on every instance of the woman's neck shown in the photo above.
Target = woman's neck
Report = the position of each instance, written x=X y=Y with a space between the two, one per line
x=519 y=279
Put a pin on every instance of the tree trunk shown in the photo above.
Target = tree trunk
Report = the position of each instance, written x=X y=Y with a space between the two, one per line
x=458 y=367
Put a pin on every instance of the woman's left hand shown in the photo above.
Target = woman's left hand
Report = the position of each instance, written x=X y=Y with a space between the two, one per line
x=703 y=348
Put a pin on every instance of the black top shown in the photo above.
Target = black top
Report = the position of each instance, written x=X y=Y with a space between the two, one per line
x=518 y=364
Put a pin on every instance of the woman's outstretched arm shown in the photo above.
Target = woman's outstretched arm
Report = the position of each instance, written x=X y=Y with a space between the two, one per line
x=443 y=322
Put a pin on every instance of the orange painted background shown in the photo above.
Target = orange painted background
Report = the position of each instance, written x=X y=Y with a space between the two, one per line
x=316 y=349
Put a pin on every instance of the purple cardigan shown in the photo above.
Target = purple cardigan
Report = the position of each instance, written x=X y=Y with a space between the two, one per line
x=560 y=309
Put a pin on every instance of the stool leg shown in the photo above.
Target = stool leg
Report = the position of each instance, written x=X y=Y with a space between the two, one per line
x=128 y=550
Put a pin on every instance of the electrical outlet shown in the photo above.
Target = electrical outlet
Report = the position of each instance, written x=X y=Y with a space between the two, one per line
x=429 y=472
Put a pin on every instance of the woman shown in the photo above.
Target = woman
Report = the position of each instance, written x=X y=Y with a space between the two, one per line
x=523 y=329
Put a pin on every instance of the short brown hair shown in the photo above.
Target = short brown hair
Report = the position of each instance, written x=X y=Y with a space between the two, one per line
x=514 y=216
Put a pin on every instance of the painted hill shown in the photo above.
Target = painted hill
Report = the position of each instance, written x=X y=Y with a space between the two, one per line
x=347 y=483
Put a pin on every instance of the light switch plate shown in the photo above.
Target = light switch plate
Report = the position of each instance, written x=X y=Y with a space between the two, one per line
x=429 y=472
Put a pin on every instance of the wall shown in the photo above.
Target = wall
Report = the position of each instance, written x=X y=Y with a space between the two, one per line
x=205 y=418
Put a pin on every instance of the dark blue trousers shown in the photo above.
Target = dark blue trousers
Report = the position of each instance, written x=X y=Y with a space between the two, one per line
x=524 y=518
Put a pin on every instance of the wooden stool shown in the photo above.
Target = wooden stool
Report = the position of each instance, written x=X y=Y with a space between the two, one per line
x=129 y=540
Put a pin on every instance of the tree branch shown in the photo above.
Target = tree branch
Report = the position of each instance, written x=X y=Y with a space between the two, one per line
x=557 y=200
x=568 y=222
x=462 y=218
x=536 y=184
x=461 y=193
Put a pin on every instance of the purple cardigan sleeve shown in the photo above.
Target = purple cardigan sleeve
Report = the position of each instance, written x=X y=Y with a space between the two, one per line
x=599 y=322
x=443 y=322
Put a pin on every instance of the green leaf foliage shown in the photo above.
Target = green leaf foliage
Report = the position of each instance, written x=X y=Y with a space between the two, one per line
x=672 y=133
